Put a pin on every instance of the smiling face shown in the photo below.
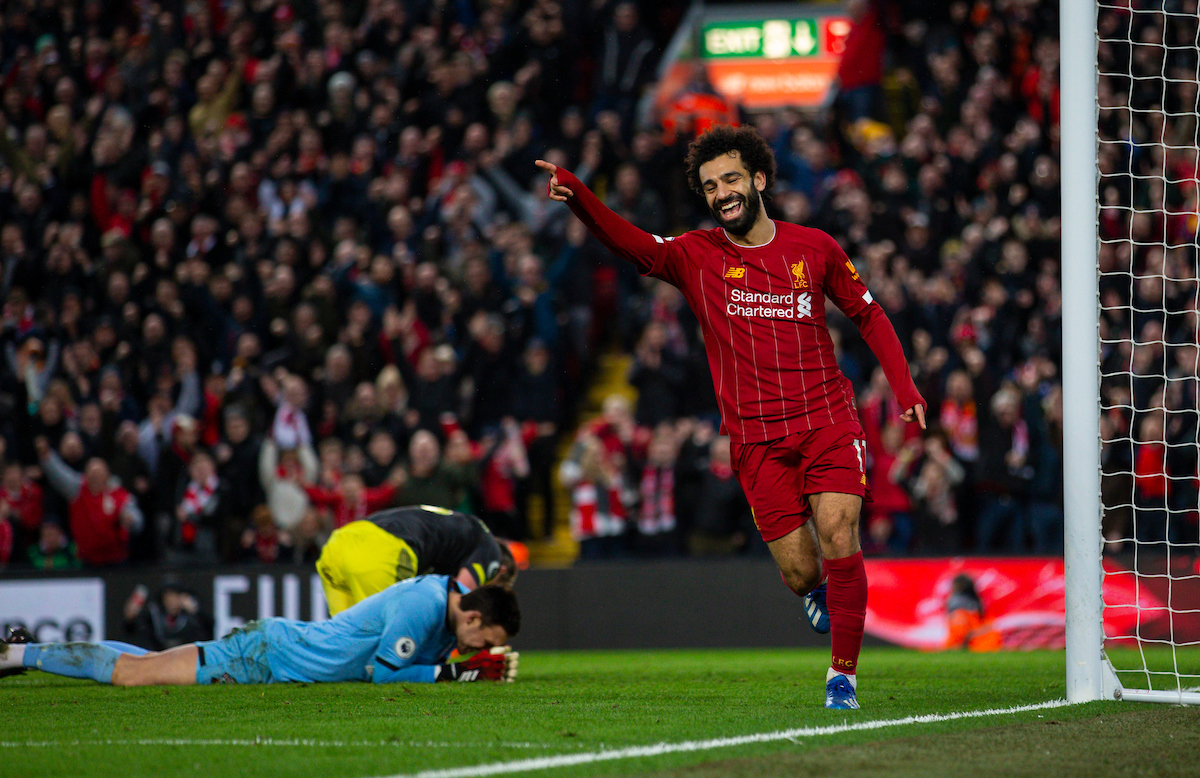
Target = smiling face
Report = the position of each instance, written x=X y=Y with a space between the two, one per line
x=734 y=196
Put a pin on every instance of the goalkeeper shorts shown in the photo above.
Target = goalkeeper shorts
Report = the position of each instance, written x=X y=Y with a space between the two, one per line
x=239 y=657
x=362 y=559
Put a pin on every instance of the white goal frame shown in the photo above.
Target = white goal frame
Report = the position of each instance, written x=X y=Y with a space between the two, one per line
x=1089 y=674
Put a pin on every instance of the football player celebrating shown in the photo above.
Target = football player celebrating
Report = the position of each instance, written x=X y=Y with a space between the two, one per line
x=403 y=634
x=367 y=556
x=758 y=287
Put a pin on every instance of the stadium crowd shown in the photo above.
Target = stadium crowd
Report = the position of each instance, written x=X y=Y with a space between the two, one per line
x=271 y=265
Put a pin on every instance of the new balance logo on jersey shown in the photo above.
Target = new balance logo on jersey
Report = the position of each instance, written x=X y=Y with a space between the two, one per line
x=803 y=305
x=735 y=272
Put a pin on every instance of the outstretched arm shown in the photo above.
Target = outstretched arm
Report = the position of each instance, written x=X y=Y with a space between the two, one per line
x=322 y=497
x=131 y=515
x=61 y=476
x=620 y=237
x=385 y=672
x=879 y=334
x=846 y=289
x=496 y=664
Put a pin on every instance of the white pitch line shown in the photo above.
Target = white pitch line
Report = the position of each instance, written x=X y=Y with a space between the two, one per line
x=299 y=742
x=658 y=749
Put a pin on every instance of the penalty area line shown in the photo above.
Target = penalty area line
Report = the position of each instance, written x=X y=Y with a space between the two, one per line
x=659 y=749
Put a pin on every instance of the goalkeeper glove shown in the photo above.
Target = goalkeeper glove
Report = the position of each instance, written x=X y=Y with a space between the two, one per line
x=498 y=664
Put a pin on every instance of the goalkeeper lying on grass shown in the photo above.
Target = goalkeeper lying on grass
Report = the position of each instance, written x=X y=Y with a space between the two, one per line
x=403 y=634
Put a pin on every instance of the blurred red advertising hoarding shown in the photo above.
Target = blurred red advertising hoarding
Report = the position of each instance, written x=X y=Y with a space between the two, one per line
x=1023 y=600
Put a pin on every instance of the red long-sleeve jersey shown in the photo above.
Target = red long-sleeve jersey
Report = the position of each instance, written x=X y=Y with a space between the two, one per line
x=762 y=312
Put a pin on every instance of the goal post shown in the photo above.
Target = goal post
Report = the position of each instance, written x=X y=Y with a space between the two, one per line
x=1081 y=368
x=1130 y=163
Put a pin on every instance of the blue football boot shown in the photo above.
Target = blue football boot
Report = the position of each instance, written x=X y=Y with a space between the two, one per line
x=840 y=694
x=816 y=610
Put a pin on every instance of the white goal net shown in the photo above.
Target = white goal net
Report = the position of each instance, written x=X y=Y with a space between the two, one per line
x=1147 y=72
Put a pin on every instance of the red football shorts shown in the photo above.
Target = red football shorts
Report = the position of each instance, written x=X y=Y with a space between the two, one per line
x=778 y=475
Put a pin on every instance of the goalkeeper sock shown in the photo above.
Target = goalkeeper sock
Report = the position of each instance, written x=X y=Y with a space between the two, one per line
x=125 y=648
x=11 y=655
x=74 y=660
x=847 y=603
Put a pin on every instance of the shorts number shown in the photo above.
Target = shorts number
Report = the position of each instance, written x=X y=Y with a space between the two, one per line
x=860 y=447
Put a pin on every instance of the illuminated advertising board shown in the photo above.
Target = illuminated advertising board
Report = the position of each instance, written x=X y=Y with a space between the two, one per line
x=768 y=63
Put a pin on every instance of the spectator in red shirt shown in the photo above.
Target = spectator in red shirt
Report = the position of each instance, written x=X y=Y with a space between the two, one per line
x=860 y=70
x=20 y=505
x=352 y=500
x=959 y=418
x=597 y=510
x=503 y=464
x=1150 y=480
x=201 y=511
x=656 y=524
x=6 y=543
x=889 y=516
x=102 y=514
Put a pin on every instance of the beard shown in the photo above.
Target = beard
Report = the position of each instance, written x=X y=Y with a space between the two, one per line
x=742 y=223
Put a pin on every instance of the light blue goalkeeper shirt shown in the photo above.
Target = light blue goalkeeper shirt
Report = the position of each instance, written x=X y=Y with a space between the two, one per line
x=399 y=634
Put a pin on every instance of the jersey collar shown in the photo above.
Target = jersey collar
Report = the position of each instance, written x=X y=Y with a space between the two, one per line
x=774 y=232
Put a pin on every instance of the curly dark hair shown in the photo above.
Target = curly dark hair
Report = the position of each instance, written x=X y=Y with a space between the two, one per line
x=755 y=153
x=496 y=606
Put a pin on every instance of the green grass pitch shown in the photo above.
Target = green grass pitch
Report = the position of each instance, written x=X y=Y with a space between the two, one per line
x=584 y=703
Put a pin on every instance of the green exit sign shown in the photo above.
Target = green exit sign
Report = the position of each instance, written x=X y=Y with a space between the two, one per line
x=769 y=39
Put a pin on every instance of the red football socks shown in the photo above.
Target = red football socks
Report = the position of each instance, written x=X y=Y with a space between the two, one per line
x=847 y=603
